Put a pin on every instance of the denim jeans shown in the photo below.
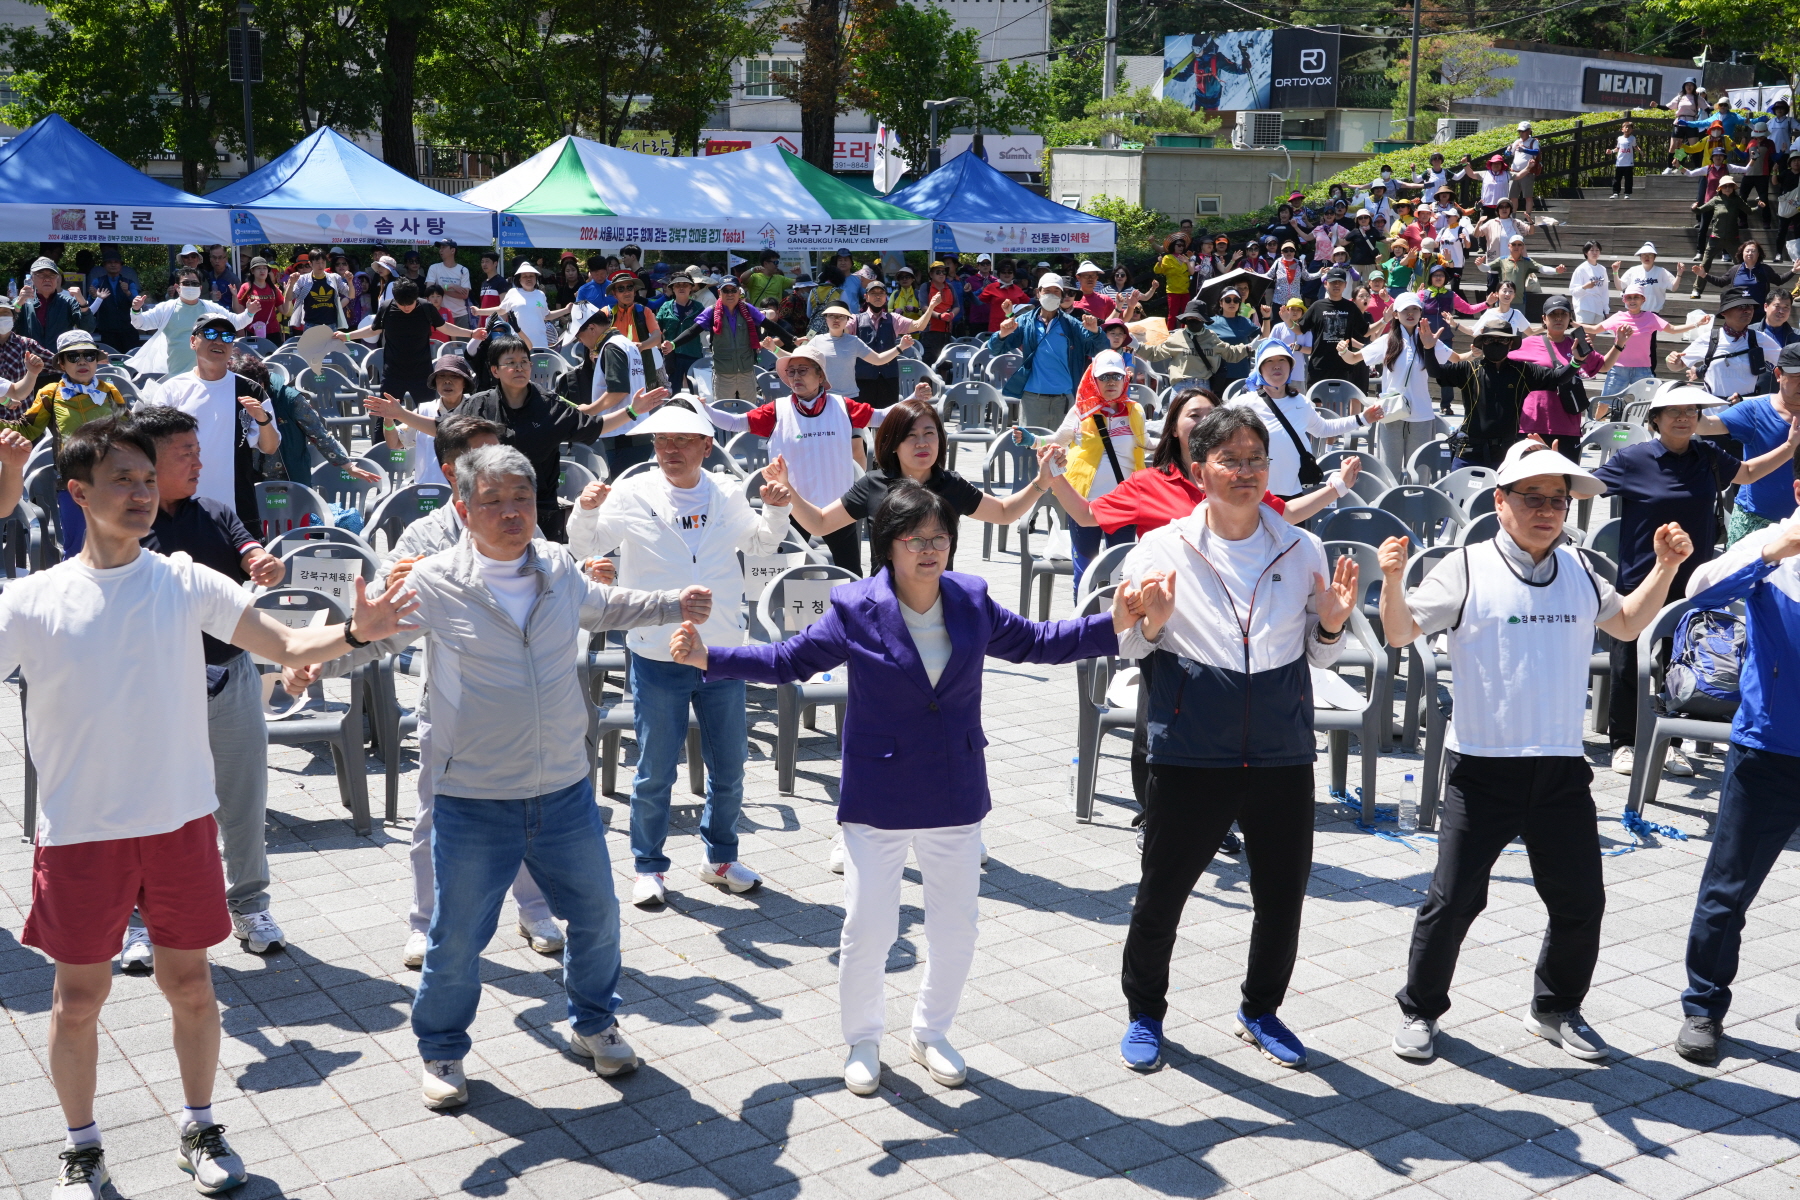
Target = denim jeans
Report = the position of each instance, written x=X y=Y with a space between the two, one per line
x=1084 y=546
x=1620 y=378
x=476 y=849
x=660 y=695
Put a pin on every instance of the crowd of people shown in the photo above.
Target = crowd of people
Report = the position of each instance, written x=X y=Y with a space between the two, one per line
x=1226 y=601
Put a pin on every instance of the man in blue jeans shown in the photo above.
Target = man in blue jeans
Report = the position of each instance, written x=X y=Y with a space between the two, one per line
x=510 y=761
x=1054 y=348
x=1759 y=801
x=673 y=527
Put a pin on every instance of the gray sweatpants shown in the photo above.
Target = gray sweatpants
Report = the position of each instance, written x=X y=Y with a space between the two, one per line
x=532 y=905
x=1041 y=410
x=1397 y=440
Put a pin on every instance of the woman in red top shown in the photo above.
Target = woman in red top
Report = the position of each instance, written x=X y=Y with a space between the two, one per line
x=949 y=311
x=261 y=296
x=1151 y=498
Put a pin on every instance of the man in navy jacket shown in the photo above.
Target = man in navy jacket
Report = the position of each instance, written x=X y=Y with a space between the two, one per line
x=1759 y=801
x=1054 y=348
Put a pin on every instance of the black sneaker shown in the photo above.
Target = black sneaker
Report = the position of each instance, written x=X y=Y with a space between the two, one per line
x=1698 y=1040
x=1229 y=844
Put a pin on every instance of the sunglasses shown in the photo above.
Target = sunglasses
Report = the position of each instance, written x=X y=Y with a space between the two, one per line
x=219 y=335
x=81 y=356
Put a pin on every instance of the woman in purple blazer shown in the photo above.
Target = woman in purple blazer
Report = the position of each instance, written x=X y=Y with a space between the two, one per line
x=914 y=775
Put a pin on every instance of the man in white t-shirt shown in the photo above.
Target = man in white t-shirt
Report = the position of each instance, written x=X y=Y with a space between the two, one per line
x=453 y=277
x=1654 y=280
x=1730 y=358
x=233 y=414
x=109 y=643
x=1520 y=611
x=674 y=527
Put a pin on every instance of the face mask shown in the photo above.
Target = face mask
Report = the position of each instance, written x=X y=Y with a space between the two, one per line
x=1495 y=351
x=6 y=324
x=190 y=292
x=1049 y=301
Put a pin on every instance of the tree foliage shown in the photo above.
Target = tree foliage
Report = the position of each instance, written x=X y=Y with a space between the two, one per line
x=1134 y=116
x=905 y=55
x=1772 y=27
x=1452 y=68
x=1139 y=228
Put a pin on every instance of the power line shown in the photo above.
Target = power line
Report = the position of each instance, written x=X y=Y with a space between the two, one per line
x=1435 y=32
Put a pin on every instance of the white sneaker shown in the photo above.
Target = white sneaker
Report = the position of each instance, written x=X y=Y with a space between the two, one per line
x=543 y=935
x=984 y=854
x=611 y=1053
x=837 y=855
x=1614 y=196
x=212 y=1162
x=862 y=1070
x=137 y=957
x=649 y=891
x=83 y=1173
x=258 y=931
x=1677 y=763
x=732 y=876
x=940 y=1058
x=1623 y=757
x=414 y=954
x=442 y=1083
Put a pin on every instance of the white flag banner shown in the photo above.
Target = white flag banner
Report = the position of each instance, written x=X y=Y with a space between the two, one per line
x=888 y=164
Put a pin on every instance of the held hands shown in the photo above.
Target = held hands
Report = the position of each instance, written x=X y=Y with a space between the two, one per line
x=775 y=494
x=15 y=450
x=601 y=570
x=776 y=471
x=686 y=648
x=1392 y=556
x=594 y=495
x=1338 y=599
x=1127 y=606
x=1673 y=545
x=385 y=615
x=1349 y=469
x=696 y=604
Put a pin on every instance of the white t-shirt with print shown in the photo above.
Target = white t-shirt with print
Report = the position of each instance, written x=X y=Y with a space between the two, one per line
x=527 y=311
x=692 y=507
x=116 y=691
x=1627 y=144
x=447 y=277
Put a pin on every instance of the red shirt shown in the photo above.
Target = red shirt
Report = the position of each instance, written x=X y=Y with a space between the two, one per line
x=1151 y=499
x=1093 y=302
x=762 y=419
x=1001 y=298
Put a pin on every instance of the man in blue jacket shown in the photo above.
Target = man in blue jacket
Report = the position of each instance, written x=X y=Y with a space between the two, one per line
x=1759 y=801
x=1054 y=348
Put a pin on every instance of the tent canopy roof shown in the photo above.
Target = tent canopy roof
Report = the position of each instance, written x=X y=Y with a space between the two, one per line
x=967 y=189
x=55 y=163
x=326 y=170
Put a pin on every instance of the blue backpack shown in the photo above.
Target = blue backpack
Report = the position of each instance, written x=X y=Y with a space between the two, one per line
x=1704 y=666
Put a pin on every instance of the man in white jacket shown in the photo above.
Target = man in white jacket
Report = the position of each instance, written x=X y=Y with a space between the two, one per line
x=675 y=526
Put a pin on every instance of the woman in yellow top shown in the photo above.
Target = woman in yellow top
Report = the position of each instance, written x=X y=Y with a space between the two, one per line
x=63 y=407
x=1098 y=462
x=1176 y=268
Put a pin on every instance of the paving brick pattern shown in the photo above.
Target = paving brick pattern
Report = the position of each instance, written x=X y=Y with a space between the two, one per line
x=732 y=1002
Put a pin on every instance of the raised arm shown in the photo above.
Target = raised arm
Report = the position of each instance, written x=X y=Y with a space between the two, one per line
x=1397 y=625
x=372 y=620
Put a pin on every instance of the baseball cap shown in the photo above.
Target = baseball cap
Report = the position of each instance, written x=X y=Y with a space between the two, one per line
x=1558 y=303
x=981 y=258
x=44 y=264
x=1337 y=275
x=188 y=249
x=1408 y=300
x=210 y=321
x=75 y=339
x=675 y=418
x=1790 y=358
x=1050 y=279
x=1524 y=125
x=1522 y=463
x=1517 y=239
x=1108 y=362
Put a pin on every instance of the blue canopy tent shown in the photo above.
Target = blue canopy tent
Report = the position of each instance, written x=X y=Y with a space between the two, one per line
x=329 y=189
x=975 y=208
x=60 y=185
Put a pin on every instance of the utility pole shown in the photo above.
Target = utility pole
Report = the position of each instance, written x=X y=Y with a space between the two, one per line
x=246 y=65
x=1412 y=83
x=1109 y=71
x=933 y=160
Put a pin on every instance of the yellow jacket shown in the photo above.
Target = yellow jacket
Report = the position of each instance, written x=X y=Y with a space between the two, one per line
x=70 y=412
x=1088 y=451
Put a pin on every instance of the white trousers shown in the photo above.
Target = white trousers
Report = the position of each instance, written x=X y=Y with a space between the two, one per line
x=532 y=905
x=874 y=862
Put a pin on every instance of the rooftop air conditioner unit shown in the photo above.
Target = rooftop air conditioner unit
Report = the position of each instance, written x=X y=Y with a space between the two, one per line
x=1256 y=130
x=1449 y=129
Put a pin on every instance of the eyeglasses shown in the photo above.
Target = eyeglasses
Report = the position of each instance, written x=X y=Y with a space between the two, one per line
x=919 y=545
x=1534 y=501
x=681 y=440
x=1240 y=466
x=81 y=356
x=513 y=363
x=219 y=335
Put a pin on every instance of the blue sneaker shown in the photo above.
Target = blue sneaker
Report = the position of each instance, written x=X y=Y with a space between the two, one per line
x=1141 y=1047
x=1276 y=1041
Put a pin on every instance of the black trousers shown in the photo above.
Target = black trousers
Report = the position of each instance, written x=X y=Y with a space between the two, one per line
x=1759 y=185
x=846 y=547
x=1622 y=177
x=1187 y=811
x=933 y=345
x=878 y=393
x=1487 y=803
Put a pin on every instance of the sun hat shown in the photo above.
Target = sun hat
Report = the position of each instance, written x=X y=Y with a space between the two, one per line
x=1685 y=394
x=675 y=418
x=455 y=364
x=808 y=350
x=1521 y=463
x=1088 y=267
x=75 y=339
x=1495 y=324
x=1647 y=248
x=834 y=310
x=527 y=267
x=1736 y=297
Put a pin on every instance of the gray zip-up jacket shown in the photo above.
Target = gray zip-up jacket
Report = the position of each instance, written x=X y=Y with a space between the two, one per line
x=508 y=719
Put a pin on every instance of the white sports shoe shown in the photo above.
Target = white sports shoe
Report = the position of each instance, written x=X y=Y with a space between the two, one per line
x=442 y=1083
x=611 y=1053
x=137 y=957
x=837 y=855
x=83 y=1174
x=543 y=935
x=1677 y=763
x=1623 y=758
x=984 y=854
x=414 y=954
x=206 y=1155
x=732 y=876
x=649 y=891
x=862 y=1070
x=258 y=931
x=941 y=1060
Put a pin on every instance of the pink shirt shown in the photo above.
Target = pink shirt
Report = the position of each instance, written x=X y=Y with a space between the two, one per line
x=1643 y=326
x=1544 y=412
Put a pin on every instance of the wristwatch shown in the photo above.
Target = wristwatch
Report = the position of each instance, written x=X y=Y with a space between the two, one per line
x=350 y=638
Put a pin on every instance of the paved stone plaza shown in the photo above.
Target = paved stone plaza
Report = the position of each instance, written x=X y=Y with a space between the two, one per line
x=732 y=1002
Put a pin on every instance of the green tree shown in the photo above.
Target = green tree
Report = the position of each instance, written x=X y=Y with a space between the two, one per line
x=1134 y=116
x=1770 y=27
x=1139 y=228
x=1452 y=68
x=906 y=55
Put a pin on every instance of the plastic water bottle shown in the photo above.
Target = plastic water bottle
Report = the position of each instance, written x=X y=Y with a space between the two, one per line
x=1409 y=806
x=1074 y=773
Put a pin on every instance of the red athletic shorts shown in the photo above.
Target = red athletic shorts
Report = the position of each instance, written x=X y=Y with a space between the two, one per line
x=82 y=895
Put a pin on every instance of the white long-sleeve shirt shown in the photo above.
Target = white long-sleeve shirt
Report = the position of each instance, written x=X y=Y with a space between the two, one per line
x=1284 y=457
